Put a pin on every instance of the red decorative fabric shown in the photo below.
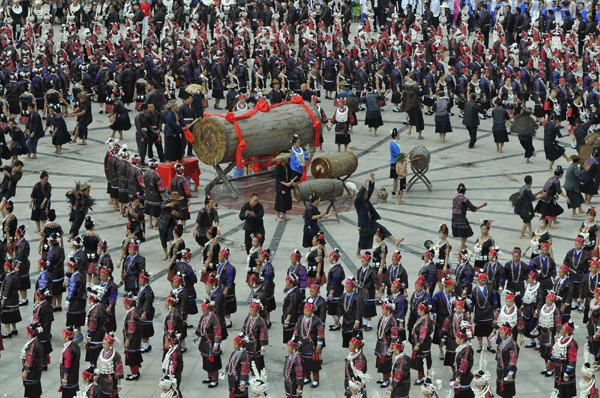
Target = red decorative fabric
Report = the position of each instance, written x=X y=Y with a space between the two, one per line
x=190 y=168
x=262 y=106
x=188 y=134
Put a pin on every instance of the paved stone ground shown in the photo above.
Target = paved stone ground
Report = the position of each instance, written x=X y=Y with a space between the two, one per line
x=489 y=176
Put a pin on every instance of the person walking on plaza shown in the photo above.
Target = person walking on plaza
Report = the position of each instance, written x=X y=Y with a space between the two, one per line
x=471 y=118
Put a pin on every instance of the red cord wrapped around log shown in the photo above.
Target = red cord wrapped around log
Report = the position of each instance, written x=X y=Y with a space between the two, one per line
x=262 y=106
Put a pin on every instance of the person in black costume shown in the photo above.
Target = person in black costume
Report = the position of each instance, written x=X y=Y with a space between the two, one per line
x=367 y=218
x=284 y=183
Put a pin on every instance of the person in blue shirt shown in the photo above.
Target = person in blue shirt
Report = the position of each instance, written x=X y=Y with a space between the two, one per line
x=173 y=133
x=299 y=158
x=394 y=153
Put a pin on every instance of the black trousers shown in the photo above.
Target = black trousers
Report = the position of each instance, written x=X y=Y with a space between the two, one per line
x=473 y=134
x=486 y=38
x=142 y=147
x=528 y=146
x=154 y=140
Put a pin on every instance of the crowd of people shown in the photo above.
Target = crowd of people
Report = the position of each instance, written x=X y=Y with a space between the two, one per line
x=167 y=59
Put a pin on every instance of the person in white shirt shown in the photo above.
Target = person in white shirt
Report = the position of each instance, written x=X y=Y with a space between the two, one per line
x=435 y=8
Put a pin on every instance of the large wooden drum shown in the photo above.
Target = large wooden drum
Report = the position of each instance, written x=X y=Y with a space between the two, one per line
x=326 y=189
x=419 y=158
x=216 y=141
x=334 y=166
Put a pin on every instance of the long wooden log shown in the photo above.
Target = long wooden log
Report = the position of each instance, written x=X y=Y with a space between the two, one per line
x=336 y=165
x=265 y=133
x=326 y=189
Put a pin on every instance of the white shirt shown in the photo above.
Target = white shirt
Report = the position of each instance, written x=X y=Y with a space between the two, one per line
x=435 y=8
x=363 y=6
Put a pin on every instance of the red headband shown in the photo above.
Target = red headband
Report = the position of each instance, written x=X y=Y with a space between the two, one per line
x=224 y=252
x=256 y=306
x=110 y=339
x=398 y=346
x=397 y=255
x=68 y=333
x=40 y=295
x=551 y=296
x=207 y=306
x=106 y=271
x=265 y=254
x=334 y=255
x=297 y=255
x=367 y=256
x=177 y=278
x=493 y=252
x=292 y=344
x=510 y=296
x=505 y=329
x=315 y=286
x=129 y=300
x=87 y=375
x=42 y=263
x=565 y=269
x=568 y=328
x=309 y=306
x=482 y=275
x=356 y=342
x=188 y=254
x=8 y=264
x=420 y=281
x=579 y=239
x=291 y=279
x=240 y=340
x=144 y=277
x=546 y=245
x=397 y=283
x=350 y=282
x=133 y=245
x=534 y=274
x=386 y=306
x=448 y=282
x=460 y=303
x=423 y=307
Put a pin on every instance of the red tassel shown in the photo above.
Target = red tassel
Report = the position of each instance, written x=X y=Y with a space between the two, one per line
x=211 y=358
x=48 y=359
x=126 y=354
x=501 y=386
x=86 y=346
x=381 y=359
x=559 y=380
x=414 y=355
x=60 y=388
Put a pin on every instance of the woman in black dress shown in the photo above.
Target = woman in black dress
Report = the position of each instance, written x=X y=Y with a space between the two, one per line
x=175 y=251
x=210 y=256
x=121 y=115
x=18 y=143
x=59 y=132
x=547 y=205
x=589 y=231
x=551 y=147
x=315 y=260
x=460 y=225
x=311 y=217
x=442 y=257
x=441 y=108
x=499 y=118
x=482 y=247
x=284 y=182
